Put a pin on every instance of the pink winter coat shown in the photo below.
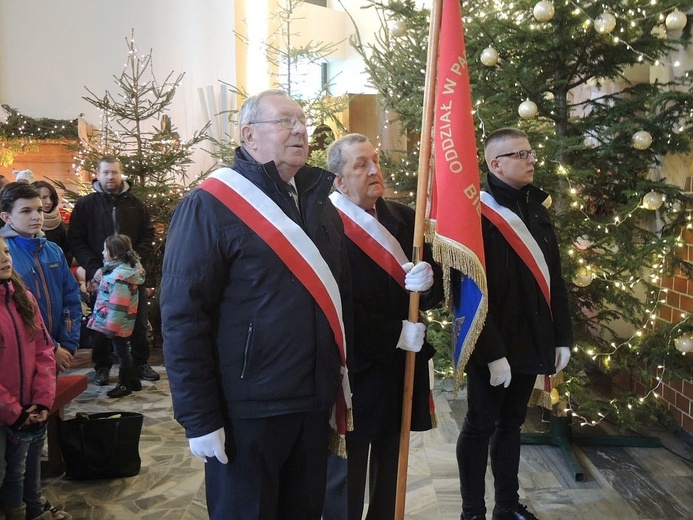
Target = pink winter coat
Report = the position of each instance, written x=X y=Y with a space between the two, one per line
x=27 y=366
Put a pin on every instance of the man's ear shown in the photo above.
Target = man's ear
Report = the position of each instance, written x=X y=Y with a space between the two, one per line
x=493 y=165
x=339 y=184
x=247 y=136
x=5 y=216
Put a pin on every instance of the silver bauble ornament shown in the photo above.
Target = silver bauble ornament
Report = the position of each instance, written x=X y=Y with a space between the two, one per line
x=605 y=23
x=548 y=96
x=652 y=200
x=398 y=28
x=582 y=277
x=544 y=11
x=527 y=109
x=489 y=56
x=642 y=140
x=675 y=20
x=684 y=343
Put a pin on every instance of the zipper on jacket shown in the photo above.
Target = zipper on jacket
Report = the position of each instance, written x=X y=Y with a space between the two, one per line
x=247 y=348
x=68 y=321
x=46 y=294
x=20 y=352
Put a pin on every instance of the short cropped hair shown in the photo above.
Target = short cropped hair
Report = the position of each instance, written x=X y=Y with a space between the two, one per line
x=335 y=161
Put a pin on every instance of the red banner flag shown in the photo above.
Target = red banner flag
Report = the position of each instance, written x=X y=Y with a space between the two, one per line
x=455 y=210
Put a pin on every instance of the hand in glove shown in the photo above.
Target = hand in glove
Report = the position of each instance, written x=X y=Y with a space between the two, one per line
x=562 y=358
x=419 y=277
x=500 y=372
x=210 y=445
x=412 y=336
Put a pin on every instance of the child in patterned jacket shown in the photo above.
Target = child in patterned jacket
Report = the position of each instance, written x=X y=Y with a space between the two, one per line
x=116 y=307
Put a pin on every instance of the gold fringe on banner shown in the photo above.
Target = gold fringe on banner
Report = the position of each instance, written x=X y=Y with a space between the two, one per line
x=454 y=255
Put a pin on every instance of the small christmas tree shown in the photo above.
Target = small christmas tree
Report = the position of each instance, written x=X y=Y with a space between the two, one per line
x=560 y=71
x=136 y=128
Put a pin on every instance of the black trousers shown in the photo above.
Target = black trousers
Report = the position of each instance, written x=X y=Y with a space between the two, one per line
x=494 y=417
x=101 y=346
x=381 y=468
x=276 y=471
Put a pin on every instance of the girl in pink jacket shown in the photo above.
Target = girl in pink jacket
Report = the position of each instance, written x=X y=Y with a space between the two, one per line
x=27 y=381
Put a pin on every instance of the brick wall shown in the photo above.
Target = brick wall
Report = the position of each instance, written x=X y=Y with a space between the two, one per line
x=677 y=394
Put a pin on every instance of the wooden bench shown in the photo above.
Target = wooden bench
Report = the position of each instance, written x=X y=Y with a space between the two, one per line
x=67 y=388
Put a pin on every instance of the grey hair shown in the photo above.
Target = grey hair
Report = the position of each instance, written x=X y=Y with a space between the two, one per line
x=335 y=161
x=251 y=106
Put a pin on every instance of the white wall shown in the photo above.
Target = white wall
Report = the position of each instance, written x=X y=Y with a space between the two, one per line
x=50 y=50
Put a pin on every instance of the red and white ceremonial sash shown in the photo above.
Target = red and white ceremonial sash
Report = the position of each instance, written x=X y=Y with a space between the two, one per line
x=520 y=239
x=371 y=237
x=296 y=250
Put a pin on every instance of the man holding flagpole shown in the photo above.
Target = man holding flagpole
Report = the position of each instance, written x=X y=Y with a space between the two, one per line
x=527 y=330
x=380 y=234
x=255 y=295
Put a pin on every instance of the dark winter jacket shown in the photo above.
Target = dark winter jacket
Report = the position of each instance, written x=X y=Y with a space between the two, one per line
x=99 y=215
x=520 y=325
x=43 y=269
x=242 y=336
x=376 y=366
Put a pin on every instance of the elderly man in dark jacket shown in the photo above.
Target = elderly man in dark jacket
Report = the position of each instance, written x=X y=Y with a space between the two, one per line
x=253 y=352
x=527 y=331
x=382 y=332
x=112 y=209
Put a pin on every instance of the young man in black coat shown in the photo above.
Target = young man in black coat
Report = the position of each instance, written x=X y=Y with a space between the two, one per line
x=527 y=330
x=112 y=208
x=382 y=332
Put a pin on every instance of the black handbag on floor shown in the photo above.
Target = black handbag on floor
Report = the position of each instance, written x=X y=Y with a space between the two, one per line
x=101 y=445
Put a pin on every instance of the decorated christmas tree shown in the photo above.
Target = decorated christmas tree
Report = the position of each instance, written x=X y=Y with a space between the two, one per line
x=136 y=128
x=600 y=90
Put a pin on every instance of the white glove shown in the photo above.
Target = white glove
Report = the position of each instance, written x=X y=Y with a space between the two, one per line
x=500 y=372
x=412 y=336
x=562 y=358
x=419 y=277
x=210 y=445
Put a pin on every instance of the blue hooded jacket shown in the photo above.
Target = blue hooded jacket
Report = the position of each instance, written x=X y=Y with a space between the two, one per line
x=44 y=270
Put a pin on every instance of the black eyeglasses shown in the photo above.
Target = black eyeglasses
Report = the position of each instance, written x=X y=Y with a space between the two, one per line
x=522 y=154
x=289 y=123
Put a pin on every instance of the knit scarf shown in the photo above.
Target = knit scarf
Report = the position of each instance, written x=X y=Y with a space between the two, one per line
x=51 y=219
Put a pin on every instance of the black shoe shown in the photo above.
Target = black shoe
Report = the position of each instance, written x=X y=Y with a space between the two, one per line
x=135 y=385
x=516 y=513
x=147 y=373
x=475 y=517
x=120 y=390
x=102 y=377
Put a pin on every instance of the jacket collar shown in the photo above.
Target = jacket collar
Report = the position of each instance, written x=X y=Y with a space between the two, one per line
x=502 y=191
x=99 y=189
x=267 y=177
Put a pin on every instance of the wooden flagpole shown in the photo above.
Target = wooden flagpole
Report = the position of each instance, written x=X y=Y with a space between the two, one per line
x=419 y=225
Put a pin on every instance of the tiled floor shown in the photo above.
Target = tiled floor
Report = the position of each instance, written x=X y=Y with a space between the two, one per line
x=621 y=483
